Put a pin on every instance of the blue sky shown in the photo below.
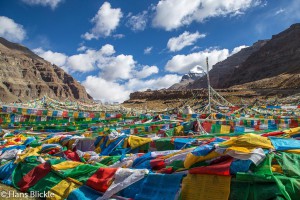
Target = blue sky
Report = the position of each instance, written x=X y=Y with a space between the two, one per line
x=116 y=47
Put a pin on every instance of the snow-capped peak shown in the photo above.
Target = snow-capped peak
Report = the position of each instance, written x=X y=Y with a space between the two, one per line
x=197 y=70
x=195 y=73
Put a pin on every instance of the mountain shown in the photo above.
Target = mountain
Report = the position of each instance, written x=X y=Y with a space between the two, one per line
x=273 y=63
x=194 y=74
x=25 y=76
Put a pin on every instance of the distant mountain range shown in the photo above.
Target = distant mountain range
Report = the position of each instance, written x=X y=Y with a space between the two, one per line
x=273 y=63
x=25 y=76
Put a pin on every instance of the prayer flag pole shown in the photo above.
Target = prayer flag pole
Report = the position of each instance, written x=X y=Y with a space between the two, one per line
x=208 y=86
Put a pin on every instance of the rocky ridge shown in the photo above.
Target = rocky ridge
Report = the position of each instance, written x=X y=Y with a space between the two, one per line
x=25 y=76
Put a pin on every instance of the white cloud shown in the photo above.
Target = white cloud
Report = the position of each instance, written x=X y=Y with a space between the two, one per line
x=58 y=59
x=110 y=66
x=111 y=91
x=147 y=71
x=163 y=82
x=237 y=49
x=148 y=50
x=107 y=49
x=138 y=22
x=106 y=21
x=172 y=14
x=52 y=3
x=82 y=48
x=119 y=67
x=88 y=60
x=183 y=40
x=279 y=11
x=89 y=36
x=104 y=90
x=195 y=48
x=11 y=30
x=154 y=84
x=83 y=62
x=183 y=63
x=118 y=36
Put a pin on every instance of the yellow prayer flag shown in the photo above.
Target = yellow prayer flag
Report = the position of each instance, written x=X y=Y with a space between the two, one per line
x=135 y=141
x=66 y=165
x=192 y=159
x=62 y=189
x=208 y=187
x=225 y=129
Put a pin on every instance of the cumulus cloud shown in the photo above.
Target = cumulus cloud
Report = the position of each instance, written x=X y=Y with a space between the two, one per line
x=172 y=14
x=105 y=22
x=138 y=22
x=119 y=67
x=82 y=48
x=147 y=71
x=183 y=63
x=237 y=49
x=88 y=60
x=104 y=90
x=111 y=91
x=148 y=50
x=58 y=59
x=11 y=30
x=51 y=3
x=83 y=62
x=183 y=40
x=155 y=84
x=107 y=49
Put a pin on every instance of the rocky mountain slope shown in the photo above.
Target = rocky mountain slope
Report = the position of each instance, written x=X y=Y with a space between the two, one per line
x=25 y=76
x=194 y=74
x=267 y=64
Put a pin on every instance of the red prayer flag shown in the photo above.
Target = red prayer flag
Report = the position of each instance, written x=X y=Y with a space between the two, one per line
x=102 y=179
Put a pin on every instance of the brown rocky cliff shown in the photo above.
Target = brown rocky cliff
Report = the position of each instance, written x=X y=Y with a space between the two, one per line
x=25 y=76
